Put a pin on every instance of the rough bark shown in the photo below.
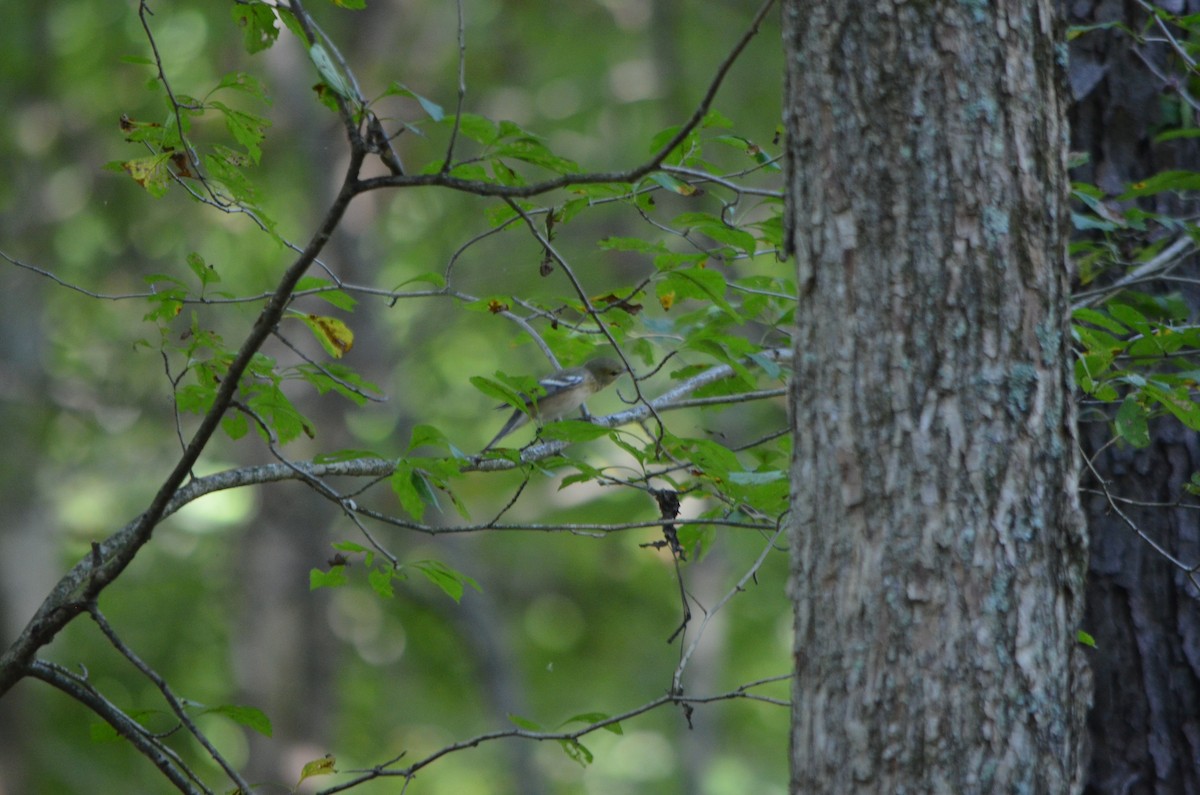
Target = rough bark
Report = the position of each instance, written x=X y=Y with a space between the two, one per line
x=938 y=546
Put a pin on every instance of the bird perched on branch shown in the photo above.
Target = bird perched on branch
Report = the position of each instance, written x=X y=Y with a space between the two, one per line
x=566 y=390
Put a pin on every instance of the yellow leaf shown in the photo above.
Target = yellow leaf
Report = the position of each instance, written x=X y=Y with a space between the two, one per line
x=319 y=767
x=151 y=173
x=332 y=333
x=667 y=300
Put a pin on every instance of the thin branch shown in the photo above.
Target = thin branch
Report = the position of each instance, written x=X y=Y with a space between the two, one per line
x=162 y=757
x=1160 y=263
x=175 y=704
x=144 y=12
x=380 y=771
x=462 y=86
x=63 y=283
x=751 y=573
x=87 y=578
x=1188 y=570
x=445 y=180
x=703 y=176
x=343 y=383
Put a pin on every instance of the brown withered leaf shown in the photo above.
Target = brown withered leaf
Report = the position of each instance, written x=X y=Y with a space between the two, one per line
x=179 y=161
x=624 y=304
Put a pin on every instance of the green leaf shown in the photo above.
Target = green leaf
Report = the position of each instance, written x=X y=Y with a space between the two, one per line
x=246 y=83
x=405 y=483
x=1097 y=341
x=449 y=580
x=1101 y=319
x=1163 y=306
x=673 y=260
x=427 y=435
x=257 y=21
x=425 y=489
x=1163 y=181
x=247 y=129
x=769 y=365
x=1178 y=402
x=204 y=272
x=195 y=398
x=503 y=175
x=502 y=392
x=477 y=128
x=1085 y=223
x=1085 y=638
x=101 y=732
x=436 y=279
x=631 y=244
x=269 y=402
x=1129 y=316
x=471 y=171
x=340 y=379
x=1157 y=342
x=431 y=108
x=326 y=291
x=534 y=152
x=577 y=751
x=227 y=166
x=334 y=578
x=661 y=138
x=594 y=717
x=672 y=184
x=1075 y=31
x=715 y=118
x=573 y=431
x=152 y=173
x=318 y=767
x=738 y=238
x=696 y=283
x=749 y=147
x=380 y=580
x=697 y=539
x=235 y=424
x=330 y=74
x=249 y=717
x=525 y=723
x=1171 y=135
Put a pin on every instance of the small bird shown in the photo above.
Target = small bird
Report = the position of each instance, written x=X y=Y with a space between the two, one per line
x=566 y=390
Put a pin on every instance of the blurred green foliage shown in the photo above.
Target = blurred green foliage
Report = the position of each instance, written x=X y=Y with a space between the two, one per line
x=98 y=391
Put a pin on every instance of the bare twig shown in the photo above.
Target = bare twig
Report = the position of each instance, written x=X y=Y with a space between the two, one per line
x=1166 y=259
x=161 y=756
x=172 y=701
x=445 y=180
x=381 y=771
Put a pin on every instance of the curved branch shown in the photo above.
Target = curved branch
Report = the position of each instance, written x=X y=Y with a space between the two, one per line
x=92 y=574
x=445 y=180
x=149 y=746
x=742 y=692
x=168 y=696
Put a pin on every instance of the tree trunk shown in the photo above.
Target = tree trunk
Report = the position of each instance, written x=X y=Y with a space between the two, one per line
x=938 y=546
